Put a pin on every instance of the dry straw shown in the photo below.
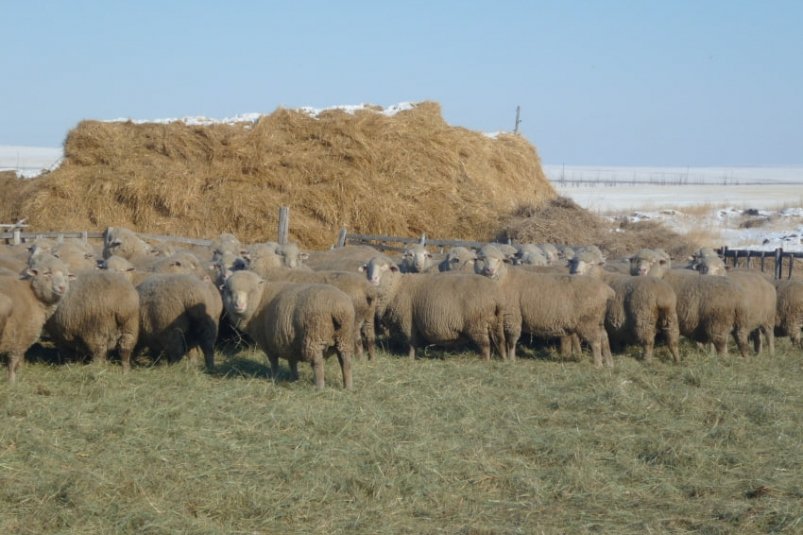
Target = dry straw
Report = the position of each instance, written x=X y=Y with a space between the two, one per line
x=405 y=174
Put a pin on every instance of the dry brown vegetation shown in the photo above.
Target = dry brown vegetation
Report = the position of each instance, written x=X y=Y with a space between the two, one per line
x=563 y=221
x=406 y=174
x=400 y=175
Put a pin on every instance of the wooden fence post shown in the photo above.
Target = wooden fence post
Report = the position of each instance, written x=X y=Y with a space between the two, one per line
x=17 y=238
x=791 y=262
x=341 y=237
x=778 y=263
x=284 y=224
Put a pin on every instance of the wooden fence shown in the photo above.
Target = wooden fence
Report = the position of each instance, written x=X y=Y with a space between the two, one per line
x=383 y=243
x=779 y=257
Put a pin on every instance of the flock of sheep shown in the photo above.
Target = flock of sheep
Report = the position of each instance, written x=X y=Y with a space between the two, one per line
x=305 y=306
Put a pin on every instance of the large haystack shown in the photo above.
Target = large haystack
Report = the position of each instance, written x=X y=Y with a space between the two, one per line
x=405 y=174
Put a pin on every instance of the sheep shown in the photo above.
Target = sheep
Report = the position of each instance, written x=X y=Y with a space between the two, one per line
x=789 y=313
x=348 y=258
x=79 y=257
x=709 y=308
x=760 y=292
x=417 y=259
x=439 y=308
x=99 y=314
x=641 y=306
x=178 y=313
x=26 y=304
x=361 y=292
x=12 y=263
x=299 y=322
x=180 y=262
x=550 y=305
x=532 y=255
x=458 y=259
x=124 y=242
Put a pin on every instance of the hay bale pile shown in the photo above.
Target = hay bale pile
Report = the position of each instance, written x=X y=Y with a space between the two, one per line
x=405 y=174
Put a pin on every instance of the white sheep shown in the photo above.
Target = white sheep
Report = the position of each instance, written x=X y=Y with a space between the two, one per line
x=298 y=322
x=439 y=308
x=26 y=304
x=710 y=309
x=178 y=313
x=98 y=315
x=642 y=306
x=550 y=305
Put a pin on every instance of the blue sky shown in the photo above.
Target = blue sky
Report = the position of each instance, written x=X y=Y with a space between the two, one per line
x=599 y=82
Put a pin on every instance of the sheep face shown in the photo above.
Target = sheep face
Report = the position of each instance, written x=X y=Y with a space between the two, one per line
x=293 y=256
x=460 y=259
x=490 y=262
x=50 y=279
x=241 y=294
x=376 y=269
x=709 y=265
x=532 y=255
x=650 y=262
x=417 y=258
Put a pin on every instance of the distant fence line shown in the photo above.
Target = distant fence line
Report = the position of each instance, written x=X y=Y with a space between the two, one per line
x=749 y=256
x=382 y=242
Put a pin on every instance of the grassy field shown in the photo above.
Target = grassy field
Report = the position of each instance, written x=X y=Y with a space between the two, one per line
x=446 y=444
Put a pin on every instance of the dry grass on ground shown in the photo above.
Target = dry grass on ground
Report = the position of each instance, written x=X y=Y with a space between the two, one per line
x=452 y=445
x=563 y=221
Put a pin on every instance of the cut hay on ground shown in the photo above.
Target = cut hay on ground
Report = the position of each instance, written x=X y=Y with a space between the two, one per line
x=401 y=175
x=562 y=221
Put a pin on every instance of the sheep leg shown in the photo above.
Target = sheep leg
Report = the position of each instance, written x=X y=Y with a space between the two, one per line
x=14 y=362
x=358 y=341
x=274 y=367
x=482 y=339
x=293 y=369
x=606 y=348
x=369 y=338
x=672 y=334
x=345 y=368
x=757 y=342
x=769 y=334
x=742 y=343
x=565 y=347
x=318 y=370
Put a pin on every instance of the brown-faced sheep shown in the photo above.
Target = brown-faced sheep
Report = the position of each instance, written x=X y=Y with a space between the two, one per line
x=355 y=285
x=295 y=321
x=642 y=306
x=98 y=315
x=26 y=305
x=551 y=305
x=439 y=308
x=178 y=314
x=710 y=309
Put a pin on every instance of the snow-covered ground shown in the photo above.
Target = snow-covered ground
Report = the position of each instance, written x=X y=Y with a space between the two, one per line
x=29 y=161
x=759 y=208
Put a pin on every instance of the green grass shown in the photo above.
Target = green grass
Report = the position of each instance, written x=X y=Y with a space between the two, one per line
x=440 y=445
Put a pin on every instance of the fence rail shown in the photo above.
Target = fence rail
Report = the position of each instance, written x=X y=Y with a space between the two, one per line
x=381 y=241
x=779 y=256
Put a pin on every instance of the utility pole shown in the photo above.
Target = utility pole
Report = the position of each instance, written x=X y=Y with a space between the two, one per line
x=518 y=121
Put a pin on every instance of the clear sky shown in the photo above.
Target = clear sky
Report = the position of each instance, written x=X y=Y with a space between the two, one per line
x=680 y=82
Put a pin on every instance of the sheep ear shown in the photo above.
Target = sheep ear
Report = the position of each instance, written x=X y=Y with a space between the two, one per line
x=507 y=260
x=31 y=272
x=303 y=256
x=71 y=276
x=363 y=268
x=393 y=267
x=429 y=255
